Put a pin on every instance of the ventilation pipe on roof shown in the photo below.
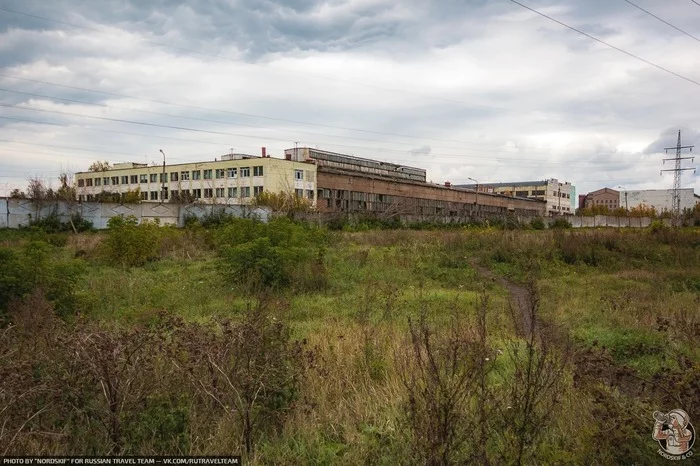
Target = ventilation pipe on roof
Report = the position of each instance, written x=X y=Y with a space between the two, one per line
x=264 y=152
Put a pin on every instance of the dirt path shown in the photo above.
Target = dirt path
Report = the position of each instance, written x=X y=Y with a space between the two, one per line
x=520 y=300
x=590 y=363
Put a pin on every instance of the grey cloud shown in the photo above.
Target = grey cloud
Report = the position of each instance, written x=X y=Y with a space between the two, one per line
x=669 y=138
x=423 y=150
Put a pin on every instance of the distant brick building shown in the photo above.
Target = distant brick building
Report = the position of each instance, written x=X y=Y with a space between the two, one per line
x=607 y=197
x=351 y=184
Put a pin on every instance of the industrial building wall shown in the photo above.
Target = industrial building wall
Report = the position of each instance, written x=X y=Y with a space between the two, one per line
x=348 y=192
x=659 y=199
x=278 y=175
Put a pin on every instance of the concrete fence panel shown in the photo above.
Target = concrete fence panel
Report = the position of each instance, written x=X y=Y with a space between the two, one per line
x=4 y=214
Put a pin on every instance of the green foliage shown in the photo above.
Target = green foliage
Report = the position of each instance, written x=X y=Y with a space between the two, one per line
x=658 y=226
x=162 y=424
x=273 y=255
x=537 y=223
x=38 y=266
x=130 y=244
x=560 y=223
x=52 y=224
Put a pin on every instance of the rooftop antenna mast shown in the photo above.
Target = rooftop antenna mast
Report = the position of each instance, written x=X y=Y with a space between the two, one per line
x=677 y=171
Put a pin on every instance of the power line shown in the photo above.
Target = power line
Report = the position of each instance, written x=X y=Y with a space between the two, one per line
x=197 y=130
x=608 y=44
x=663 y=21
x=221 y=121
x=223 y=57
x=698 y=4
x=247 y=115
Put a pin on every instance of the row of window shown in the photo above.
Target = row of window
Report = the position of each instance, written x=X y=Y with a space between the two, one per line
x=206 y=193
x=219 y=173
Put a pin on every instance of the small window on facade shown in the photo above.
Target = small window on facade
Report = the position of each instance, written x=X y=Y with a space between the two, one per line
x=245 y=191
x=208 y=192
x=219 y=192
x=207 y=174
x=143 y=178
x=257 y=190
x=173 y=176
x=125 y=179
x=310 y=193
x=185 y=176
x=144 y=195
x=88 y=182
x=298 y=174
x=232 y=192
x=196 y=174
x=245 y=171
x=232 y=173
x=197 y=193
x=105 y=181
x=163 y=177
x=115 y=180
x=154 y=177
x=81 y=183
x=98 y=181
x=299 y=192
x=134 y=179
x=175 y=194
x=164 y=196
x=258 y=171
x=154 y=195
x=220 y=172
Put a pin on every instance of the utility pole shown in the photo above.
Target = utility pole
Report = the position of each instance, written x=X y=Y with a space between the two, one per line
x=296 y=151
x=678 y=170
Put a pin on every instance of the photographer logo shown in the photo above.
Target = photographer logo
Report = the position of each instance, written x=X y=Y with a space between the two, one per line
x=675 y=434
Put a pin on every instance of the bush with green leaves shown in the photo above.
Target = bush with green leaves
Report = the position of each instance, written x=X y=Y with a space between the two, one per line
x=53 y=224
x=39 y=266
x=130 y=243
x=274 y=255
x=537 y=223
x=560 y=223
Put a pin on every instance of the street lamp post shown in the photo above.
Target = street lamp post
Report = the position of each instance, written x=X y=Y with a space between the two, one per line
x=626 y=205
x=162 y=191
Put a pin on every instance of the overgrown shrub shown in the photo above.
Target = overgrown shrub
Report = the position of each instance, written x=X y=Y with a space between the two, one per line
x=129 y=243
x=560 y=223
x=38 y=266
x=537 y=223
x=52 y=224
x=247 y=371
x=267 y=256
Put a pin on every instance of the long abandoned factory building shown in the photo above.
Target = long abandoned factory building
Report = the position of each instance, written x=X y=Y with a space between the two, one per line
x=332 y=182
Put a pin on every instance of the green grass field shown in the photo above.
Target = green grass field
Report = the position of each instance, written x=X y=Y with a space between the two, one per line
x=378 y=347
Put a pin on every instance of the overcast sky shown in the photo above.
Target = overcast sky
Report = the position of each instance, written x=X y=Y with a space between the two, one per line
x=479 y=89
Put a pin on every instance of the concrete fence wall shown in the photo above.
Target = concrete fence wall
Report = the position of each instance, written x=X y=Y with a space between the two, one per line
x=16 y=213
x=576 y=222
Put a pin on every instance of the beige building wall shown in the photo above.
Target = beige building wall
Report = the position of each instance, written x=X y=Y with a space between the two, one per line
x=225 y=181
x=559 y=196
